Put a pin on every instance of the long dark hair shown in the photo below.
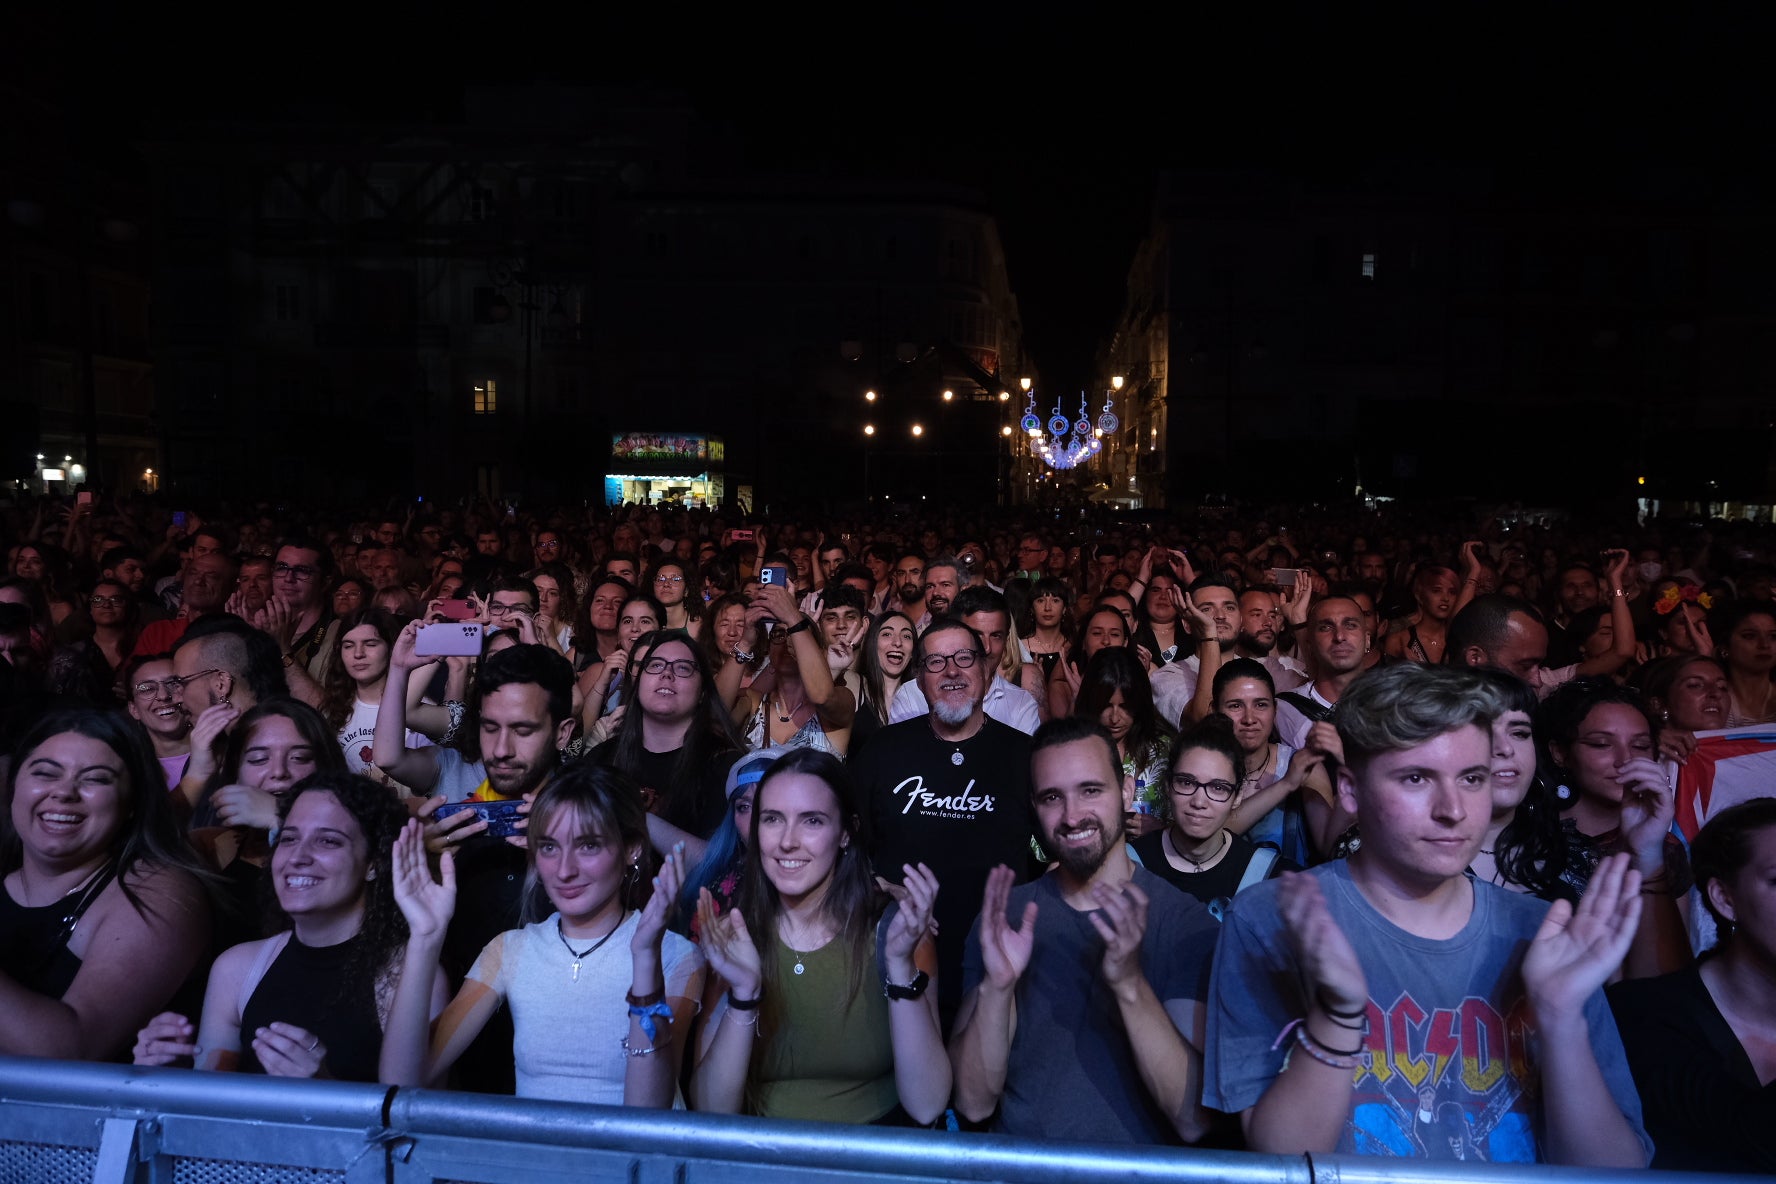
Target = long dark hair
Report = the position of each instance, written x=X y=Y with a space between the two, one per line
x=710 y=733
x=383 y=930
x=1214 y=733
x=1723 y=848
x=1076 y=655
x=852 y=902
x=1530 y=850
x=1111 y=670
x=608 y=802
x=329 y=757
x=873 y=699
x=339 y=694
x=151 y=838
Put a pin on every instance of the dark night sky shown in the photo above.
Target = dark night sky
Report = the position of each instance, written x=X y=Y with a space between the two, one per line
x=1062 y=123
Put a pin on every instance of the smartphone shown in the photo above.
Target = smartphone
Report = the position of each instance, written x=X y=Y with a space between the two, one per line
x=502 y=816
x=740 y=536
x=1283 y=577
x=179 y=519
x=83 y=498
x=774 y=573
x=454 y=610
x=449 y=640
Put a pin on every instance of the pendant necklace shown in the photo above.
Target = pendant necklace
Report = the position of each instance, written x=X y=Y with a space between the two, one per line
x=579 y=955
x=956 y=757
x=785 y=712
x=1197 y=865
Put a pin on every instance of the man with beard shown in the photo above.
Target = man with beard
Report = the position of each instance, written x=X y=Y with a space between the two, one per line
x=1336 y=640
x=520 y=715
x=1174 y=684
x=909 y=588
x=950 y=789
x=1084 y=1011
x=984 y=611
x=1257 y=639
x=943 y=579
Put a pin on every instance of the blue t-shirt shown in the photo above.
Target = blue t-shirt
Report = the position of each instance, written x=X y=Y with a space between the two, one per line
x=1450 y=1069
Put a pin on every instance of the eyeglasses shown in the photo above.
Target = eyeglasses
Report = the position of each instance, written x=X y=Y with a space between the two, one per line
x=496 y=609
x=1184 y=785
x=665 y=579
x=166 y=686
x=180 y=684
x=935 y=663
x=300 y=572
x=107 y=601
x=548 y=545
x=680 y=667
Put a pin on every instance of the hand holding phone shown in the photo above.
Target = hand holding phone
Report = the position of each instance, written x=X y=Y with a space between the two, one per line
x=449 y=640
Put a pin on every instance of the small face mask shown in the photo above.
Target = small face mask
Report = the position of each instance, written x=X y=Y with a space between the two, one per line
x=1651 y=570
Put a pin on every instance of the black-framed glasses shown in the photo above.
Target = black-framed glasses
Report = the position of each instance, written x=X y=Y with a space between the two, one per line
x=962 y=659
x=300 y=572
x=107 y=601
x=666 y=579
x=1184 y=785
x=148 y=688
x=181 y=683
x=680 y=667
x=496 y=609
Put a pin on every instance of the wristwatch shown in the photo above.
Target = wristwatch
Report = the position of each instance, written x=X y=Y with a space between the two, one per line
x=744 y=657
x=912 y=990
x=800 y=625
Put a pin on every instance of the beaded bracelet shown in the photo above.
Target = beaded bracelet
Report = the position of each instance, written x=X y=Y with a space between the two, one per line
x=638 y=1052
x=1330 y=1057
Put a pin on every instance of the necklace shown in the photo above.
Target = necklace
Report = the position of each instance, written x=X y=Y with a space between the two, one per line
x=784 y=711
x=798 y=968
x=1197 y=865
x=1269 y=760
x=579 y=955
x=956 y=757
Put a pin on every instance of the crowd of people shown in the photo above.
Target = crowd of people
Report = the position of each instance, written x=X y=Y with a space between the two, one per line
x=1341 y=831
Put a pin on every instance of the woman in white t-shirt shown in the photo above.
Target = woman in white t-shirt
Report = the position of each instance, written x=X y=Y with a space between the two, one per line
x=601 y=993
x=352 y=694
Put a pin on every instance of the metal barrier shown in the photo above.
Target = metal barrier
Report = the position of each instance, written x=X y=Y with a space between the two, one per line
x=65 y=1122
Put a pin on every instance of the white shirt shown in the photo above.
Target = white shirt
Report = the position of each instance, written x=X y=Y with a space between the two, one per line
x=1006 y=702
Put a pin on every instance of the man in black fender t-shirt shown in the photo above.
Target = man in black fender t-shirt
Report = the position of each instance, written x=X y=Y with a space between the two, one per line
x=951 y=790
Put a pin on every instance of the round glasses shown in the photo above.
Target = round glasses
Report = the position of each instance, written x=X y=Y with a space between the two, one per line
x=935 y=663
x=1184 y=785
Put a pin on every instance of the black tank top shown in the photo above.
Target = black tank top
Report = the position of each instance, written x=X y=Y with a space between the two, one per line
x=34 y=941
x=301 y=987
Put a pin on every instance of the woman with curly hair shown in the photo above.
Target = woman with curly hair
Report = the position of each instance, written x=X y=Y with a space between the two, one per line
x=313 y=999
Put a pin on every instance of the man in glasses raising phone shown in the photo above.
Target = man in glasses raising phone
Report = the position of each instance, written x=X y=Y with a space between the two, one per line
x=950 y=789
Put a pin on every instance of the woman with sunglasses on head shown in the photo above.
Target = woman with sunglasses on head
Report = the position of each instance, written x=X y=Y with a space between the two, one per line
x=822 y=1005
x=1196 y=851
x=601 y=993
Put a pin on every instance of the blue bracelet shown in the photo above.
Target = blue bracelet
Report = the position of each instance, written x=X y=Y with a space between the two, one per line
x=646 y=1016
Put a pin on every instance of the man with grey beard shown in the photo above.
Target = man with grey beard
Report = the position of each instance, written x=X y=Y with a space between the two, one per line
x=949 y=789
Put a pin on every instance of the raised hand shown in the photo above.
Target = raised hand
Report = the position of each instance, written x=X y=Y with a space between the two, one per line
x=1005 y=951
x=1471 y=558
x=206 y=731
x=1298 y=598
x=913 y=921
x=284 y=1050
x=167 y=1038
x=842 y=649
x=1202 y=623
x=658 y=911
x=1121 y=920
x=1577 y=949
x=241 y=805
x=276 y=621
x=729 y=948
x=1328 y=962
x=427 y=904
x=1648 y=806
x=1616 y=566
x=403 y=657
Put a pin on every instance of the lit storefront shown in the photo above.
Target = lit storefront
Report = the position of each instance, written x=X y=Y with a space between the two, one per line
x=666 y=468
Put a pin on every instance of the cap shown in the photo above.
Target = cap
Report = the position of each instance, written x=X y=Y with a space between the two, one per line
x=751 y=769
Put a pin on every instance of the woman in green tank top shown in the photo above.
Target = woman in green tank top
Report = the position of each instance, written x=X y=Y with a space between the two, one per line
x=830 y=1012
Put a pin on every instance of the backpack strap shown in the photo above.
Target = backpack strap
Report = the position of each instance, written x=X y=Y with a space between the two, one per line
x=1263 y=861
x=1316 y=712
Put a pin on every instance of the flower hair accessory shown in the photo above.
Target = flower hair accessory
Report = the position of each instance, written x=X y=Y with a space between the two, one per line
x=1688 y=593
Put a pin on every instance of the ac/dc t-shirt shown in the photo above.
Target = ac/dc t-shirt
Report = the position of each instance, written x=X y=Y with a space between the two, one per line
x=958 y=808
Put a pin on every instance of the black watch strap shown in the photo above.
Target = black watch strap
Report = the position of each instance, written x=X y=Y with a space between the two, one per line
x=912 y=990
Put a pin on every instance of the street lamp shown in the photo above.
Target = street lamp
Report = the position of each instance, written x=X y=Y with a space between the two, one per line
x=869 y=432
x=948 y=395
x=918 y=430
x=1025 y=383
x=869 y=396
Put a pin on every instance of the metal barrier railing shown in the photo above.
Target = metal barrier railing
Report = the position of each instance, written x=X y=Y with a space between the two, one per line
x=66 y=1121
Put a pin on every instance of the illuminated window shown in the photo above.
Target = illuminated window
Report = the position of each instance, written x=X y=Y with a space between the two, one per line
x=486 y=397
x=1368 y=266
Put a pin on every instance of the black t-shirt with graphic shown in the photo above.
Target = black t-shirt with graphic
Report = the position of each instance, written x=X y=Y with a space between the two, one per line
x=958 y=819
